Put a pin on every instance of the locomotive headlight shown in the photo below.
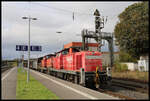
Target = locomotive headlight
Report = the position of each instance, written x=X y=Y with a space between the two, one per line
x=108 y=71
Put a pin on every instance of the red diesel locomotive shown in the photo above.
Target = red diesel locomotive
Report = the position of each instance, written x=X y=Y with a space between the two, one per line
x=81 y=67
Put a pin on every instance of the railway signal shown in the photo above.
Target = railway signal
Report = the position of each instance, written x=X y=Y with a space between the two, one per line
x=98 y=35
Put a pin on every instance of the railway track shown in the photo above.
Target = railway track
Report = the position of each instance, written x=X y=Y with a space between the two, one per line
x=131 y=85
x=115 y=94
x=127 y=89
x=4 y=68
x=132 y=80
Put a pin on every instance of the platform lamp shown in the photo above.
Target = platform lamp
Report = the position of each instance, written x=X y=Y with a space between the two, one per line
x=30 y=18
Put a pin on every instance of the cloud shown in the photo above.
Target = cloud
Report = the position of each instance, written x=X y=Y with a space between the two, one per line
x=52 y=17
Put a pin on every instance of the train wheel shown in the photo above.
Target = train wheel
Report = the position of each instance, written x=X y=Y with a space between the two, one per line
x=55 y=74
x=79 y=79
x=75 y=79
x=42 y=70
x=109 y=83
x=65 y=76
x=48 y=71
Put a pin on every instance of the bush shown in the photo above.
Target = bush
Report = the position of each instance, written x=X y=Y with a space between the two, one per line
x=125 y=57
x=120 y=67
x=124 y=67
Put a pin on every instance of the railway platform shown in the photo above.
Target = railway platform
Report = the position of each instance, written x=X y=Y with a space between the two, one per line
x=67 y=90
x=63 y=89
x=8 y=82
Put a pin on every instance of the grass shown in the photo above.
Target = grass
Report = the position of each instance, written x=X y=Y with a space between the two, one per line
x=32 y=90
x=142 y=76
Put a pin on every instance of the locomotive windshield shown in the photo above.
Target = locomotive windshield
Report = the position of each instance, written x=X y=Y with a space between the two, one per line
x=65 y=52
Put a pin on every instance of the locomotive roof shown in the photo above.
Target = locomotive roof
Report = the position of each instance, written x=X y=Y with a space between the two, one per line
x=46 y=55
x=67 y=49
x=50 y=55
x=40 y=58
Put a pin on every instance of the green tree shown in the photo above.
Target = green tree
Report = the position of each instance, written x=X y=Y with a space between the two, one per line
x=125 y=57
x=131 y=31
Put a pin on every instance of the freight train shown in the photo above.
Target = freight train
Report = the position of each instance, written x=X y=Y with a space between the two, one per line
x=81 y=67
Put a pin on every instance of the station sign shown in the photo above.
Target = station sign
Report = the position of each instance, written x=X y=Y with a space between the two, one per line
x=21 y=48
x=25 y=48
x=36 y=48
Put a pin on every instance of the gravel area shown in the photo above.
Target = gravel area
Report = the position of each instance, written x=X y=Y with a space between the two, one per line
x=126 y=92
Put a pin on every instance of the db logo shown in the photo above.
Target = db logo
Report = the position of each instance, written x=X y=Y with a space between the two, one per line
x=69 y=59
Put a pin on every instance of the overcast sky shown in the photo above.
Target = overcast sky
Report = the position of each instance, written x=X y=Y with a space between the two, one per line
x=52 y=17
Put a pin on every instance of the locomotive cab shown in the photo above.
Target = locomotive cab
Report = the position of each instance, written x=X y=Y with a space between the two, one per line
x=91 y=71
x=69 y=59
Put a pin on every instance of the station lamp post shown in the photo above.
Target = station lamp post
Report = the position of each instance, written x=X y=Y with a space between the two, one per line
x=29 y=18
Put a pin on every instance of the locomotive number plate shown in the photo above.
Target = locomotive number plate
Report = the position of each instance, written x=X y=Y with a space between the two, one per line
x=92 y=57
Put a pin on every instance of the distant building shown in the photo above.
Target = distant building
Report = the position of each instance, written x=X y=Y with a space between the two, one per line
x=144 y=57
x=94 y=47
x=106 y=58
x=143 y=63
x=33 y=63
